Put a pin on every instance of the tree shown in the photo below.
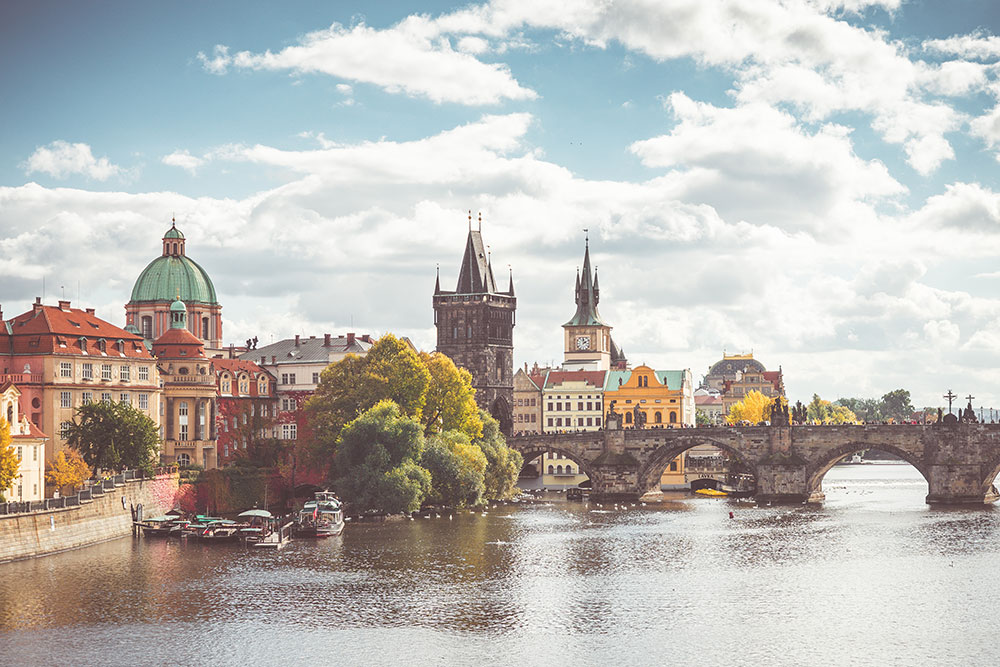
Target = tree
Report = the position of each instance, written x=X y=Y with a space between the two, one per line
x=9 y=463
x=701 y=418
x=866 y=409
x=825 y=412
x=450 y=401
x=113 y=436
x=754 y=408
x=896 y=405
x=391 y=371
x=67 y=470
x=503 y=464
x=375 y=466
x=457 y=469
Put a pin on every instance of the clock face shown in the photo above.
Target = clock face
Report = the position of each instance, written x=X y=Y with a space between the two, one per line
x=583 y=342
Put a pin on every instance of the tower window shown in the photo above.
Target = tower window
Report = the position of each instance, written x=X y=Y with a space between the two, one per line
x=147 y=326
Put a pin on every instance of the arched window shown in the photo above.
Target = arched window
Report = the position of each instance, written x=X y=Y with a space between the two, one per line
x=225 y=383
x=569 y=470
x=183 y=459
x=147 y=326
x=204 y=328
x=673 y=417
x=551 y=470
x=559 y=470
x=628 y=417
x=658 y=417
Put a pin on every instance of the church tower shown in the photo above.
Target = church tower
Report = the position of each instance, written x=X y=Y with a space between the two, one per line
x=588 y=345
x=475 y=328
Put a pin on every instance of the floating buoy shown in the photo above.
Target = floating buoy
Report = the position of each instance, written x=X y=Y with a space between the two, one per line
x=731 y=515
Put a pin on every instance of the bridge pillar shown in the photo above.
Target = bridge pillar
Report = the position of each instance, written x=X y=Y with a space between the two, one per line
x=615 y=473
x=785 y=483
x=958 y=485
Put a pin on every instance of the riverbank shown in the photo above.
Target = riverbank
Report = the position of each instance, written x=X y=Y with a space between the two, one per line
x=105 y=517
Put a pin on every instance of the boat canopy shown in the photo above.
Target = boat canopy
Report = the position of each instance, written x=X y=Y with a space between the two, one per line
x=255 y=512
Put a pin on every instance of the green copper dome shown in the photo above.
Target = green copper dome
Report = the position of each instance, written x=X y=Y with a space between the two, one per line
x=170 y=276
x=173 y=233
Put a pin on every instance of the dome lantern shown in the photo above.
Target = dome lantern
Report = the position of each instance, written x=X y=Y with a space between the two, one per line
x=173 y=241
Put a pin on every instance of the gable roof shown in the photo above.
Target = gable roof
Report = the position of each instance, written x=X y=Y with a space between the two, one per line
x=59 y=330
x=308 y=350
x=593 y=378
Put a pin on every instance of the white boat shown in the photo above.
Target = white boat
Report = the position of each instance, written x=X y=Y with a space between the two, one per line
x=322 y=516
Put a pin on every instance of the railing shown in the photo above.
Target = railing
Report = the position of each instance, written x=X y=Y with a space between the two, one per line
x=21 y=378
x=190 y=379
x=91 y=488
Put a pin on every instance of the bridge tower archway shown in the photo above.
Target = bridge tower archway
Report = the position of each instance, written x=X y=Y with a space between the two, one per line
x=533 y=453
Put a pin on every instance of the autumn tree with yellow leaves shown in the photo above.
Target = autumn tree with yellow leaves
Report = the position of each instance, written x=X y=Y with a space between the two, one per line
x=67 y=470
x=754 y=408
x=9 y=463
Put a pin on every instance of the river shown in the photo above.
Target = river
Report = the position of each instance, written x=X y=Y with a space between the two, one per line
x=871 y=576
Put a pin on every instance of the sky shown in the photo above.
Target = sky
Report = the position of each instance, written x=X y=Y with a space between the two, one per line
x=815 y=181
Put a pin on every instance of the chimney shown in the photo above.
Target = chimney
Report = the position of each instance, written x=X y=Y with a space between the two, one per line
x=90 y=311
x=37 y=306
x=350 y=339
x=263 y=360
x=64 y=305
x=366 y=338
x=326 y=340
x=274 y=359
x=296 y=340
x=232 y=351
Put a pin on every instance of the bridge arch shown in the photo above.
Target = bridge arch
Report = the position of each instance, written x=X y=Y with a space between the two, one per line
x=832 y=456
x=531 y=453
x=650 y=473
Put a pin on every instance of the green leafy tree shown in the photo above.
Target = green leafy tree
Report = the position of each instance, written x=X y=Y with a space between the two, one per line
x=376 y=467
x=113 y=436
x=503 y=464
x=9 y=463
x=450 y=401
x=826 y=412
x=896 y=405
x=457 y=470
x=866 y=409
x=391 y=371
x=701 y=418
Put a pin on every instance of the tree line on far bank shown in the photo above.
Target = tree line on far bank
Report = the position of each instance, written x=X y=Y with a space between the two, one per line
x=894 y=406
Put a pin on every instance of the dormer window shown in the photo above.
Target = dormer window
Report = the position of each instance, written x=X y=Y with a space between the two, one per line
x=83 y=344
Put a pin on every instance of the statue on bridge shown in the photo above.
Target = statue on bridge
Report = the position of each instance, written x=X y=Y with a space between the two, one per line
x=638 y=417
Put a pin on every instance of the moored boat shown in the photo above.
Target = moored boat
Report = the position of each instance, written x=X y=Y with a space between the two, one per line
x=712 y=493
x=168 y=525
x=323 y=516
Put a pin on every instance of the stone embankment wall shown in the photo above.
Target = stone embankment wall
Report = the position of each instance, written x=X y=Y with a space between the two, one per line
x=51 y=531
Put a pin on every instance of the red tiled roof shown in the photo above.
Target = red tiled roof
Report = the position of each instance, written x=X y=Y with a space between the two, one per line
x=55 y=330
x=594 y=378
x=774 y=377
x=707 y=400
x=169 y=344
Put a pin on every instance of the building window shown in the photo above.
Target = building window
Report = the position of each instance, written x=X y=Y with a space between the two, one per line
x=579 y=406
x=559 y=470
x=65 y=399
x=244 y=385
x=87 y=372
x=106 y=372
x=65 y=369
x=288 y=378
x=550 y=407
x=106 y=397
x=673 y=466
x=183 y=459
x=658 y=417
x=86 y=397
x=552 y=470
x=628 y=417
x=597 y=421
x=182 y=408
x=550 y=421
x=315 y=378
x=590 y=421
x=558 y=421
x=288 y=431
x=204 y=328
x=143 y=401
x=579 y=421
x=124 y=398
x=144 y=373
x=673 y=417
x=147 y=327
x=225 y=384
x=184 y=432
x=126 y=373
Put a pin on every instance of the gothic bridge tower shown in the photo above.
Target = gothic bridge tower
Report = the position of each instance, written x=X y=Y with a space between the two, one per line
x=475 y=327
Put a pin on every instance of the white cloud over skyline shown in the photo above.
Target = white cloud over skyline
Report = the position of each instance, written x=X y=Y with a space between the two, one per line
x=801 y=212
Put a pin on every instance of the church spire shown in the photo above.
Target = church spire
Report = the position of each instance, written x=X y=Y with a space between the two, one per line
x=587 y=294
x=437 y=280
x=510 y=276
x=475 y=276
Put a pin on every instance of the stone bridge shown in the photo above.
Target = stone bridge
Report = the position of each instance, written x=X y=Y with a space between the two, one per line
x=958 y=460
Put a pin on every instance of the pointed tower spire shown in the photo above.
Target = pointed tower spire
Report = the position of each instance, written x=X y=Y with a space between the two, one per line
x=586 y=294
x=480 y=221
x=597 y=289
x=510 y=276
x=437 y=280
x=576 y=290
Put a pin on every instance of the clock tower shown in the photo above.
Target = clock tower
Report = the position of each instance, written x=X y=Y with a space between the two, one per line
x=588 y=344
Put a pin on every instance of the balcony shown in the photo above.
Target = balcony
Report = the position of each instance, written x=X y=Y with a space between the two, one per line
x=190 y=379
x=21 y=378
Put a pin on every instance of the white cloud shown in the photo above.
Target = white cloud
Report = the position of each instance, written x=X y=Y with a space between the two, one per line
x=977 y=45
x=184 y=160
x=412 y=57
x=736 y=159
x=60 y=159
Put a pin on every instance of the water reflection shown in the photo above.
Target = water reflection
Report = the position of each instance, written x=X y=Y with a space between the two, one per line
x=871 y=575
